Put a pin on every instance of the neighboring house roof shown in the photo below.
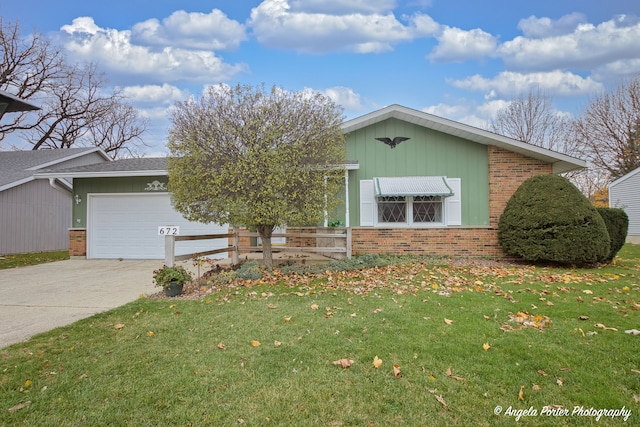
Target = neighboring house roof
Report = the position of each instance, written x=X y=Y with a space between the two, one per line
x=625 y=177
x=143 y=166
x=19 y=167
x=561 y=162
x=11 y=103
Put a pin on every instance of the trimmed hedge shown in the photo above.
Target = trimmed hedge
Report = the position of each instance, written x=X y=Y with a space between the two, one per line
x=617 y=223
x=549 y=220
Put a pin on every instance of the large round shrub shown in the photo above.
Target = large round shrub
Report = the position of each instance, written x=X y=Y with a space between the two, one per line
x=617 y=223
x=549 y=220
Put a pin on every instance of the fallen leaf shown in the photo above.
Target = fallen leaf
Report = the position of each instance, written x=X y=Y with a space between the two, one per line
x=543 y=373
x=277 y=343
x=486 y=346
x=255 y=343
x=635 y=371
x=535 y=387
x=271 y=306
x=377 y=310
x=636 y=398
x=583 y=317
x=353 y=315
x=314 y=306
x=19 y=406
x=521 y=393
x=486 y=317
x=221 y=346
x=601 y=326
x=441 y=400
x=455 y=377
x=118 y=326
x=432 y=378
x=560 y=382
x=345 y=363
x=287 y=319
x=377 y=362
x=632 y=332
x=588 y=291
x=396 y=371
x=150 y=334
x=448 y=321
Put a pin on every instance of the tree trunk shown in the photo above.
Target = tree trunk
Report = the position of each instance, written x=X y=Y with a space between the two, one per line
x=265 y=232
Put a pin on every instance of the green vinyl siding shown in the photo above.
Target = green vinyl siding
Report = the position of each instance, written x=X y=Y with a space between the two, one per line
x=84 y=186
x=427 y=153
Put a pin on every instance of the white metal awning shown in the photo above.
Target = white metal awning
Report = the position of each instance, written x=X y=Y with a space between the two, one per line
x=412 y=186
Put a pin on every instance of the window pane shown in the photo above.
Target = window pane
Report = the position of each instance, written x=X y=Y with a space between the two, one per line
x=427 y=209
x=392 y=209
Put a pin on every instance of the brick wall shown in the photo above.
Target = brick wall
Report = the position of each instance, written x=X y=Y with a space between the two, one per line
x=507 y=170
x=77 y=242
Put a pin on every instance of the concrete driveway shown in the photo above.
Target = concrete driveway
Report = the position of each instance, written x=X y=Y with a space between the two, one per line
x=42 y=297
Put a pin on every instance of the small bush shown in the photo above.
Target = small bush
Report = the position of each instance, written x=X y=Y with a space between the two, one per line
x=617 y=223
x=549 y=220
x=249 y=271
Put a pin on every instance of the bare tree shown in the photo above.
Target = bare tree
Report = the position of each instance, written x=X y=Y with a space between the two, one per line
x=531 y=118
x=609 y=130
x=31 y=67
x=77 y=109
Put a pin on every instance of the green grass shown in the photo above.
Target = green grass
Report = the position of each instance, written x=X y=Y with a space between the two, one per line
x=91 y=373
x=21 y=260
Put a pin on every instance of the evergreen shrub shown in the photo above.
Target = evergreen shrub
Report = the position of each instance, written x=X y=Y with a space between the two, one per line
x=549 y=220
x=617 y=223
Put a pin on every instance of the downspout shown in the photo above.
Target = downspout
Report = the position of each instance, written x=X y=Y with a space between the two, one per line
x=54 y=184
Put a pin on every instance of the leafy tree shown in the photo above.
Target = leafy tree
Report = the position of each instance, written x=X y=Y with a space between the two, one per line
x=609 y=129
x=76 y=107
x=257 y=158
x=549 y=220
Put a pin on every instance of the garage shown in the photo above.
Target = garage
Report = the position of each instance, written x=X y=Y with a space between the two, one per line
x=125 y=225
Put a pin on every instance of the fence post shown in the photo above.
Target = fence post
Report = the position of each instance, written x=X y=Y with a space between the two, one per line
x=349 y=242
x=235 y=255
x=169 y=250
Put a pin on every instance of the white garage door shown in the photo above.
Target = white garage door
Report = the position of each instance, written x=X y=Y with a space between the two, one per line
x=126 y=226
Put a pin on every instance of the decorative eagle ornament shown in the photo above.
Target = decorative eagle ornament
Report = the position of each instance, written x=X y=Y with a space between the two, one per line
x=393 y=142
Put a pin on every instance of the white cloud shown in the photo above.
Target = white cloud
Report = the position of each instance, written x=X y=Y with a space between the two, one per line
x=465 y=111
x=508 y=83
x=157 y=94
x=341 y=7
x=534 y=27
x=345 y=97
x=585 y=47
x=617 y=69
x=114 y=51
x=276 y=25
x=455 y=44
x=212 y=31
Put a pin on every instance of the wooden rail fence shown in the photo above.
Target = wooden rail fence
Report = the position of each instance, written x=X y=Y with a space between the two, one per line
x=170 y=243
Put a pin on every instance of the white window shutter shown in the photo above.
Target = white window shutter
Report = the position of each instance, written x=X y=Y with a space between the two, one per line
x=454 y=203
x=367 y=203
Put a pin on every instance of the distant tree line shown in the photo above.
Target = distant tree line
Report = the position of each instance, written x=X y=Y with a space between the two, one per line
x=606 y=133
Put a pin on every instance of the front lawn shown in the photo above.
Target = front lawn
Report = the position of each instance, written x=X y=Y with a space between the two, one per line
x=461 y=344
x=22 y=260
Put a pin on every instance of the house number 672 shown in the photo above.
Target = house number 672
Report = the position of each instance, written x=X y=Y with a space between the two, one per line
x=169 y=230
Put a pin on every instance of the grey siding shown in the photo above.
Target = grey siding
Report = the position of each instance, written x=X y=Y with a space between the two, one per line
x=625 y=194
x=87 y=159
x=34 y=217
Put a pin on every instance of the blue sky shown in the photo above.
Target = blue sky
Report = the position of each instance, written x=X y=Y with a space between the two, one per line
x=459 y=59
